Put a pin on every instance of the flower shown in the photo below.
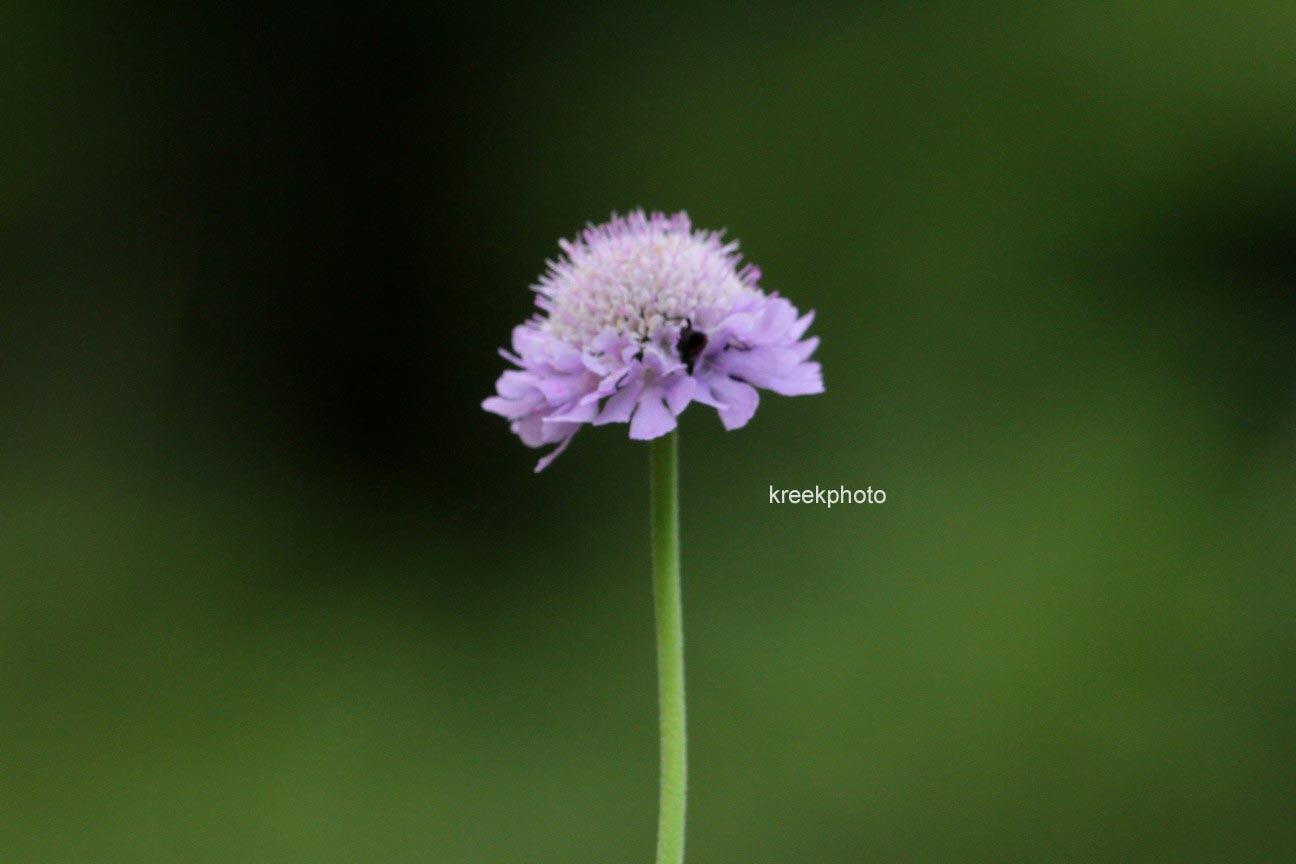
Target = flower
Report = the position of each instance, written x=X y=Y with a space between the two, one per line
x=639 y=317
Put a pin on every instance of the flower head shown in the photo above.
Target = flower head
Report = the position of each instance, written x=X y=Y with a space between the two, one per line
x=639 y=317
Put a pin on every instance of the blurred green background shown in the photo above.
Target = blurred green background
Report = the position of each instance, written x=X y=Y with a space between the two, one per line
x=273 y=588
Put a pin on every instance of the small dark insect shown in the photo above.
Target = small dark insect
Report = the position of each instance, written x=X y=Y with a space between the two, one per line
x=691 y=344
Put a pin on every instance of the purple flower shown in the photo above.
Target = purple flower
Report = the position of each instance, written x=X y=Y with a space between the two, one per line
x=639 y=317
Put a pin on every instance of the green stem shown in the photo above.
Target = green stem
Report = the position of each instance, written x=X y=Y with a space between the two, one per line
x=670 y=647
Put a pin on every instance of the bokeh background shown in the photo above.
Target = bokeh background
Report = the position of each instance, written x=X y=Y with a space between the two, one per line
x=273 y=588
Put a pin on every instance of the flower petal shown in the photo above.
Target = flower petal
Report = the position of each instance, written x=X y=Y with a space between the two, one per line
x=620 y=405
x=652 y=419
x=554 y=453
x=739 y=401
x=679 y=393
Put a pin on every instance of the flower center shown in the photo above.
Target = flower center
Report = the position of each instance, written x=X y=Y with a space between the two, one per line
x=635 y=284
